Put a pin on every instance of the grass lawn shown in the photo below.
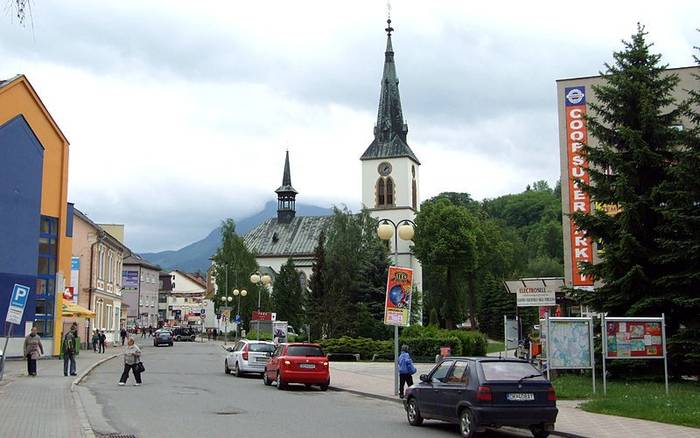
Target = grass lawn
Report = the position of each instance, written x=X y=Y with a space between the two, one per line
x=494 y=347
x=645 y=400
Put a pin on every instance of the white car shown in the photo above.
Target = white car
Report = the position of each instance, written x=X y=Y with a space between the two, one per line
x=248 y=357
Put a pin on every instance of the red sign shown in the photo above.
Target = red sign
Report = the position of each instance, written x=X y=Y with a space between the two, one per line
x=262 y=316
x=579 y=200
x=68 y=293
x=399 y=290
x=634 y=339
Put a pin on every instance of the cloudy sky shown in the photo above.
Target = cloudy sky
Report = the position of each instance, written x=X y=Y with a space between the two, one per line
x=179 y=112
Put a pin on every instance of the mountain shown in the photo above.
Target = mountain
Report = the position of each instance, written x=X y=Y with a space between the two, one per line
x=195 y=256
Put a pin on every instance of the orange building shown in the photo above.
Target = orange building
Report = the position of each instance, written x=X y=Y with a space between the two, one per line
x=35 y=216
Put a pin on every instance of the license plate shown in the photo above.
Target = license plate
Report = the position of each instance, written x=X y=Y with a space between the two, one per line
x=520 y=396
x=261 y=359
x=307 y=365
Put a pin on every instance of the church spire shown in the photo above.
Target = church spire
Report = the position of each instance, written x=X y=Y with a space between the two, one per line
x=286 y=196
x=390 y=131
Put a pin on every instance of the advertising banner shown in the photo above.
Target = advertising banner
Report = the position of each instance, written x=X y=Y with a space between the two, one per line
x=279 y=332
x=75 y=277
x=569 y=343
x=536 y=296
x=130 y=280
x=629 y=339
x=397 y=304
x=579 y=201
x=261 y=316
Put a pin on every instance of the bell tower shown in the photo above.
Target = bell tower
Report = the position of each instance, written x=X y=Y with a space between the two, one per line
x=286 y=196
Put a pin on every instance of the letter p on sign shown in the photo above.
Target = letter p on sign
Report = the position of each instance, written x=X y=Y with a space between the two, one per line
x=20 y=294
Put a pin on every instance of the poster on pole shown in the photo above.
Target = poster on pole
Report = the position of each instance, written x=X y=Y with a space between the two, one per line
x=569 y=343
x=634 y=339
x=397 y=304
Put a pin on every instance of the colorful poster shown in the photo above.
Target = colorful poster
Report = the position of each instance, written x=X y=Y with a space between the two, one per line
x=634 y=339
x=579 y=201
x=397 y=304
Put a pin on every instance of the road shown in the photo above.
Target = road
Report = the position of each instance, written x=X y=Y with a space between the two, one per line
x=186 y=394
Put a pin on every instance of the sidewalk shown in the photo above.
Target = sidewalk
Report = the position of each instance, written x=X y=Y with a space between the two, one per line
x=376 y=380
x=44 y=406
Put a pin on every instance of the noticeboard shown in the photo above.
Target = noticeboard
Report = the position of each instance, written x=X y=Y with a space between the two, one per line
x=634 y=339
x=569 y=343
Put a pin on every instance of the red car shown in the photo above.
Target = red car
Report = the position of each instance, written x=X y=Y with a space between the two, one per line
x=298 y=363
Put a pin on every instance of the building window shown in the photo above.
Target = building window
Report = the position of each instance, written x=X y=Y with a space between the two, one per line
x=99 y=317
x=414 y=194
x=385 y=192
x=46 y=275
x=109 y=316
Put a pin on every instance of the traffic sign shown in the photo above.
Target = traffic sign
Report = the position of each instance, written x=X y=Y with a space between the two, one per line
x=18 y=301
x=238 y=319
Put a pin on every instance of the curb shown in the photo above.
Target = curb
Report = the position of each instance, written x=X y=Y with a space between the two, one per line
x=85 y=428
x=397 y=400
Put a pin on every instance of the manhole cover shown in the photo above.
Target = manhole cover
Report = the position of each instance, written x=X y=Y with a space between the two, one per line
x=114 y=435
x=230 y=412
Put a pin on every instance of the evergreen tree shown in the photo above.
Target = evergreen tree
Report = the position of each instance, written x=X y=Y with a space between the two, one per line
x=636 y=140
x=287 y=295
x=315 y=313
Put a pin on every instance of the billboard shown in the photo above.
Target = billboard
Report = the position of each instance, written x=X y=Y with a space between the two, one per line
x=569 y=343
x=634 y=339
x=399 y=289
x=577 y=167
x=130 y=280
x=536 y=296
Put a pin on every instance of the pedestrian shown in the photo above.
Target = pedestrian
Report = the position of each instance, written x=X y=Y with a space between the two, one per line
x=122 y=334
x=95 y=340
x=406 y=369
x=150 y=331
x=143 y=332
x=102 y=338
x=214 y=333
x=32 y=351
x=70 y=349
x=132 y=362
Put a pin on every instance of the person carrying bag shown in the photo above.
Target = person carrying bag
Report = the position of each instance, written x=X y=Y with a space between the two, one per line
x=132 y=362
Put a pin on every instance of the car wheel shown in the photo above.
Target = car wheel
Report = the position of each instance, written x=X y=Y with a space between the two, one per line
x=413 y=413
x=280 y=385
x=324 y=387
x=171 y=344
x=237 y=371
x=226 y=368
x=467 y=424
x=266 y=380
x=539 y=432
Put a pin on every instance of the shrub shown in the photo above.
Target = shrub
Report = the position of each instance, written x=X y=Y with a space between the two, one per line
x=684 y=353
x=473 y=343
x=365 y=347
x=428 y=347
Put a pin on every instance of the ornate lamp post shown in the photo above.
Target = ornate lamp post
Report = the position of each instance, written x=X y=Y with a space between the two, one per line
x=239 y=294
x=404 y=229
x=259 y=279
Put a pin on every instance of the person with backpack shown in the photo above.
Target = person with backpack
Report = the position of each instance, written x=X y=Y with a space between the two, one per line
x=406 y=369
x=123 y=334
x=102 y=340
x=70 y=349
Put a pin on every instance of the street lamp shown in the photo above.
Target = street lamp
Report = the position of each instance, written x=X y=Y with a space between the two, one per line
x=404 y=229
x=259 y=279
x=239 y=294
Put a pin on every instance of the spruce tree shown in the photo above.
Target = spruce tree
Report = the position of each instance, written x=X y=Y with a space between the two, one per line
x=635 y=142
x=317 y=297
x=287 y=296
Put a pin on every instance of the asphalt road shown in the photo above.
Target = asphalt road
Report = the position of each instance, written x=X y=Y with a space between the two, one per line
x=186 y=394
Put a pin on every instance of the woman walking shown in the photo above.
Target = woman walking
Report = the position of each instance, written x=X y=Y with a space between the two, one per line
x=95 y=340
x=32 y=351
x=132 y=361
x=406 y=369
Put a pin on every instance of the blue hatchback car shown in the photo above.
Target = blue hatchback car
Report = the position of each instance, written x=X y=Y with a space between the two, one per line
x=480 y=392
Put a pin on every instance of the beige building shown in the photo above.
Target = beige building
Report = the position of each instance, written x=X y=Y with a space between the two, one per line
x=97 y=258
x=574 y=97
x=186 y=300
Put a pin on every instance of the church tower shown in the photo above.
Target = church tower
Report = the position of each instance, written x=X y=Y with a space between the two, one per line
x=286 y=196
x=390 y=177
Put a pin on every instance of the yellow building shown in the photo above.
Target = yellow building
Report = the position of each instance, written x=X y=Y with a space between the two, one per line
x=36 y=218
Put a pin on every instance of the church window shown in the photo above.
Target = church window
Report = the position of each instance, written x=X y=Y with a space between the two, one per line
x=414 y=193
x=385 y=192
x=389 y=192
x=380 y=192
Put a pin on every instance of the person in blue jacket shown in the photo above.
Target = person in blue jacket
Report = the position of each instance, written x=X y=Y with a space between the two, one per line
x=406 y=369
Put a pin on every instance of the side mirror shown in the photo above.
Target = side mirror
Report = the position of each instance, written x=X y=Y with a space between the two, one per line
x=229 y=349
x=424 y=378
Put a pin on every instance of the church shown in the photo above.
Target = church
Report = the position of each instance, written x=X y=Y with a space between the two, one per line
x=390 y=190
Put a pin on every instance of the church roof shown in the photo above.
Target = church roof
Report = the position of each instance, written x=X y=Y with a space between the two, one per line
x=390 y=131
x=297 y=238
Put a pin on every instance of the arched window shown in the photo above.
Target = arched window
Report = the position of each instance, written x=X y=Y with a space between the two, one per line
x=414 y=193
x=389 y=192
x=380 y=192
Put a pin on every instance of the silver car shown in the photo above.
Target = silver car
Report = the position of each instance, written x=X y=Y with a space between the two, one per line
x=248 y=357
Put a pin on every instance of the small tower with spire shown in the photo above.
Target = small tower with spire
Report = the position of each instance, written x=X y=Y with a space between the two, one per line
x=286 y=196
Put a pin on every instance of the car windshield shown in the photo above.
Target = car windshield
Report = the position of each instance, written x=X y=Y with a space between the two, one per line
x=304 y=350
x=503 y=370
x=263 y=348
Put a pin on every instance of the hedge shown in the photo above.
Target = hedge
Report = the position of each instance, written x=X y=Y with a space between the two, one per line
x=365 y=347
x=428 y=347
x=471 y=343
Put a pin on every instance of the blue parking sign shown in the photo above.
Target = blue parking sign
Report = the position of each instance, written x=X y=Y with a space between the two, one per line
x=18 y=300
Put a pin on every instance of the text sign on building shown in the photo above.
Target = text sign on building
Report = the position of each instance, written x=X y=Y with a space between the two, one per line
x=399 y=289
x=577 y=165
x=536 y=296
x=75 y=277
x=130 y=280
x=18 y=301
x=262 y=316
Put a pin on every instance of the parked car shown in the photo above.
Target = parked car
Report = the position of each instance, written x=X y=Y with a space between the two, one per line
x=298 y=362
x=484 y=392
x=248 y=357
x=184 y=334
x=162 y=337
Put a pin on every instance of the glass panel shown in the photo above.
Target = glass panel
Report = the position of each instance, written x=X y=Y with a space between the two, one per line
x=458 y=374
x=47 y=246
x=304 y=350
x=41 y=286
x=389 y=192
x=263 y=348
x=40 y=307
x=43 y=265
x=509 y=370
x=441 y=371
